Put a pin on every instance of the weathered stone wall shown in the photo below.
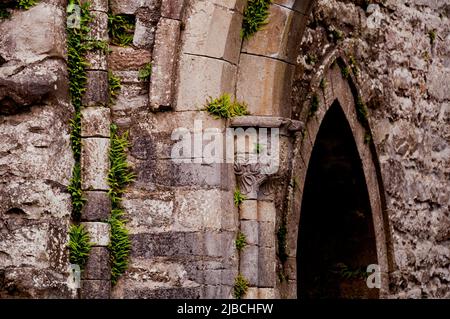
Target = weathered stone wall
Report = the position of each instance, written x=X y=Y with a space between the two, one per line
x=181 y=217
x=35 y=155
x=403 y=74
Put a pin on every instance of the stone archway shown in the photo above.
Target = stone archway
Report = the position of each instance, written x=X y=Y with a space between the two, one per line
x=339 y=94
x=336 y=234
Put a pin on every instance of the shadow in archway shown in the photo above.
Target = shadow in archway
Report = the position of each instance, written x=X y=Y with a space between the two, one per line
x=336 y=236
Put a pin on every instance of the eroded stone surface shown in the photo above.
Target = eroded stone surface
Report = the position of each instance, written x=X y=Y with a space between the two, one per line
x=408 y=113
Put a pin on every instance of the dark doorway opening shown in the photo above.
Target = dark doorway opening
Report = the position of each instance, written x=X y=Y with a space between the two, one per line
x=336 y=239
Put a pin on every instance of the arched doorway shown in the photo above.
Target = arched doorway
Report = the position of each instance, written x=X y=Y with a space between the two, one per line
x=336 y=240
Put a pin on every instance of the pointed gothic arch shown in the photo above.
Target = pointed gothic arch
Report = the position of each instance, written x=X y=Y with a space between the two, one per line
x=343 y=94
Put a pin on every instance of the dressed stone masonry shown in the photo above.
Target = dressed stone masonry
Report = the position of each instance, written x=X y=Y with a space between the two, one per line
x=257 y=213
x=95 y=139
x=181 y=218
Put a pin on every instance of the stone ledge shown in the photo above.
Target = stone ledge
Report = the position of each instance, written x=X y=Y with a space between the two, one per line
x=266 y=122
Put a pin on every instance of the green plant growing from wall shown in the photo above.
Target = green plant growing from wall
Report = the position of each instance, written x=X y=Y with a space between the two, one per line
x=76 y=193
x=349 y=273
x=79 y=245
x=145 y=72
x=76 y=65
x=432 y=36
x=21 y=4
x=121 y=29
x=256 y=16
x=94 y=44
x=26 y=4
x=345 y=71
x=323 y=84
x=311 y=59
x=282 y=277
x=120 y=173
x=240 y=286
x=241 y=241
x=259 y=148
x=353 y=65
x=224 y=107
x=314 y=107
x=114 y=86
x=119 y=246
x=119 y=177
x=361 y=111
x=238 y=197
x=337 y=34
x=367 y=137
x=282 y=241
x=294 y=183
x=362 y=114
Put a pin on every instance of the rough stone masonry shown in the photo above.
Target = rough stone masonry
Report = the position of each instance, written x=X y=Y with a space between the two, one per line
x=181 y=217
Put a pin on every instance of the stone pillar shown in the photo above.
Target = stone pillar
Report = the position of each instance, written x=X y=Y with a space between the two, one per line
x=257 y=214
x=95 y=136
x=257 y=223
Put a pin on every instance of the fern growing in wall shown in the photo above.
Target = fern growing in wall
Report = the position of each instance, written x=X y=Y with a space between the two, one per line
x=79 y=245
x=256 y=15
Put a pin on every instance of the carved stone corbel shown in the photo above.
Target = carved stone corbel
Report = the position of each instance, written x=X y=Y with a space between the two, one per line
x=252 y=176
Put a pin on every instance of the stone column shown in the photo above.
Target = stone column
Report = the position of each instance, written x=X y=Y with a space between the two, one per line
x=257 y=214
x=95 y=136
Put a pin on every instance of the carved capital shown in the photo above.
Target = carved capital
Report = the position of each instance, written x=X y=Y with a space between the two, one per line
x=251 y=175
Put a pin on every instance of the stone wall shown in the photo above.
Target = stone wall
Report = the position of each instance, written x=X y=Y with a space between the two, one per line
x=181 y=217
x=35 y=155
x=403 y=74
